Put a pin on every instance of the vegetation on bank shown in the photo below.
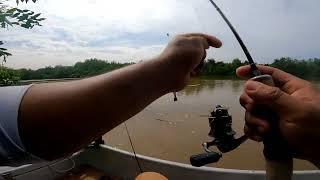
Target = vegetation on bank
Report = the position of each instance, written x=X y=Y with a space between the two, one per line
x=307 y=69
x=87 y=68
x=8 y=76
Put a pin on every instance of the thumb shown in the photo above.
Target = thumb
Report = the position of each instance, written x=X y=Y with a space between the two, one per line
x=273 y=97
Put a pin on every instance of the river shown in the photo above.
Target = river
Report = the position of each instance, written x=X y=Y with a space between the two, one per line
x=175 y=130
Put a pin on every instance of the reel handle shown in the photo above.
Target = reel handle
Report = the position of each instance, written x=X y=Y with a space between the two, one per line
x=204 y=159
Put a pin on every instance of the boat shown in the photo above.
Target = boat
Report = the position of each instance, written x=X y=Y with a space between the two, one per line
x=123 y=165
x=119 y=164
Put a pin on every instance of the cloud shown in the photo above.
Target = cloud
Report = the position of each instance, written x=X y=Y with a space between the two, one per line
x=125 y=30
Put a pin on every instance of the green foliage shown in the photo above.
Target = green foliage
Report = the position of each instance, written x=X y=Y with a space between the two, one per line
x=10 y=17
x=23 y=18
x=219 y=68
x=4 y=53
x=308 y=69
x=93 y=67
x=8 y=76
x=87 y=68
x=25 y=1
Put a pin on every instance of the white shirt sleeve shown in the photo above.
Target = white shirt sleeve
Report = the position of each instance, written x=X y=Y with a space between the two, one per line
x=12 y=150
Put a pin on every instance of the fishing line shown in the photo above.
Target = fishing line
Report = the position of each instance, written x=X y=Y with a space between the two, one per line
x=62 y=171
x=174 y=92
x=197 y=11
x=254 y=68
x=132 y=147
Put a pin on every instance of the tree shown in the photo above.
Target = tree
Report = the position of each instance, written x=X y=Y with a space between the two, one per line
x=236 y=63
x=8 y=76
x=9 y=17
x=13 y=16
x=308 y=69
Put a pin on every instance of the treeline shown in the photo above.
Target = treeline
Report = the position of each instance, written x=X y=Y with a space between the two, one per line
x=93 y=67
x=307 y=69
x=87 y=68
x=218 y=68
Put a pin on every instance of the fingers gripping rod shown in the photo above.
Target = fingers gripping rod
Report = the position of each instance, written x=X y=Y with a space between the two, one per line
x=275 y=169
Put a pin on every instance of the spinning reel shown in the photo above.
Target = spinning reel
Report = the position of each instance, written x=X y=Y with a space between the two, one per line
x=224 y=138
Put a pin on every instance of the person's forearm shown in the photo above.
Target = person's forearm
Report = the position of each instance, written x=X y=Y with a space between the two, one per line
x=56 y=119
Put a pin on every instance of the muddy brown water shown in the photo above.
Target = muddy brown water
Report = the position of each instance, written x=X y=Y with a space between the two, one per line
x=175 y=130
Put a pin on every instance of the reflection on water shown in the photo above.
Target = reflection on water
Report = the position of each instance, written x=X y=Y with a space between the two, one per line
x=175 y=130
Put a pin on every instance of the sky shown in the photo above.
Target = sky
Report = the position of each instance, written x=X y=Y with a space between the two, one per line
x=134 y=30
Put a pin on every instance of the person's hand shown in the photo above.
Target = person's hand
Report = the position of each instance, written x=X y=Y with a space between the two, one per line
x=184 y=56
x=296 y=102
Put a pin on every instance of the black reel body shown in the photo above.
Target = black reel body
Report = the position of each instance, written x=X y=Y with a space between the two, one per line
x=221 y=130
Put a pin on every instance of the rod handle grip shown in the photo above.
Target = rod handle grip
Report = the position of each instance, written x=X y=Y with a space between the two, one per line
x=279 y=164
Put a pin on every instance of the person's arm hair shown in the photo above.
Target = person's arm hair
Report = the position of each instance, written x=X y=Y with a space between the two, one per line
x=56 y=119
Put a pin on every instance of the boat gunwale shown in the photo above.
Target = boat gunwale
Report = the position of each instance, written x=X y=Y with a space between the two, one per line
x=204 y=169
x=18 y=171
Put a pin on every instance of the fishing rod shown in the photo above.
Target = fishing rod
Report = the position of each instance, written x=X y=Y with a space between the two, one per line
x=277 y=152
x=254 y=70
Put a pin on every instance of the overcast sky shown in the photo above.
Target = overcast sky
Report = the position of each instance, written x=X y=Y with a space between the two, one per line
x=131 y=30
